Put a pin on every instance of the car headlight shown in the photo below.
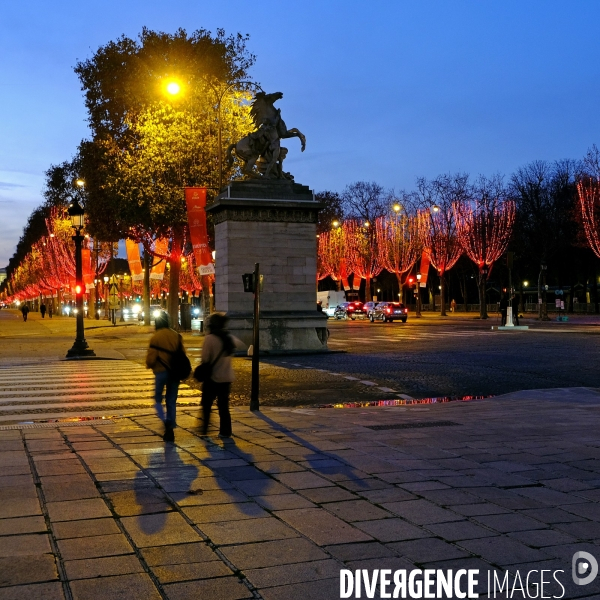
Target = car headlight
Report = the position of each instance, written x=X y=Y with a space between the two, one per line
x=156 y=314
x=136 y=308
x=196 y=311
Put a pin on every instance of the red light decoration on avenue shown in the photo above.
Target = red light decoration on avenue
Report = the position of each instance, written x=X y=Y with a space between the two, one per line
x=441 y=241
x=331 y=254
x=399 y=240
x=363 y=252
x=484 y=227
x=588 y=191
x=49 y=267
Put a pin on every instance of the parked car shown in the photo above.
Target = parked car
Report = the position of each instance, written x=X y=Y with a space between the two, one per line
x=369 y=307
x=389 y=312
x=349 y=310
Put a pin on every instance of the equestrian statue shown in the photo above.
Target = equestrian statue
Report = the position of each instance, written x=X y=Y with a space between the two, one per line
x=262 y=148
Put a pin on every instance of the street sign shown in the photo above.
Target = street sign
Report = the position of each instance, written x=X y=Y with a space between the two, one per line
x=248 y=279
x=113 y=293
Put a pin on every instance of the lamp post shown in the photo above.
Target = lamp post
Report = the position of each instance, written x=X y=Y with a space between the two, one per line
x=542 y=289
x=418 y=288
x=122 y=319
x=80 y=347
x=105 y=297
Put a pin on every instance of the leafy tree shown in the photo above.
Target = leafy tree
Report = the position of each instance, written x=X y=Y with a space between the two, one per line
x=147 y=145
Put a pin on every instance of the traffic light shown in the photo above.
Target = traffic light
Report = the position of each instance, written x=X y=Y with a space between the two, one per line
x=248 y=279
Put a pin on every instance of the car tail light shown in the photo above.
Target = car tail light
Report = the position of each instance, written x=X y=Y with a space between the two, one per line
x=388 y=310
x=406 y=310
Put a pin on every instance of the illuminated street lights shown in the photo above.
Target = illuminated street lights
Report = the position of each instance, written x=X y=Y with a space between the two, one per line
x=173 y=88
x=80 y=346
x=418 y=288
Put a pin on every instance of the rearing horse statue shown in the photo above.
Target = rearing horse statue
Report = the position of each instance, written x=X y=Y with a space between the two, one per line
x=264 y=142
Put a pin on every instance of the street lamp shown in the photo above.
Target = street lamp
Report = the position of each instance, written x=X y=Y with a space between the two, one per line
x=418 y=288
x=173 y=88
x=77 y=215
x=106 y=278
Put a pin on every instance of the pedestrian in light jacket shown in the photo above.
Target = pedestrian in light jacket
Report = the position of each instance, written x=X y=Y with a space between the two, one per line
x=162 y=344
x=218 y=347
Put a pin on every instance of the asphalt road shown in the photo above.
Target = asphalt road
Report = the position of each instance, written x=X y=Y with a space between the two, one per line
x=424 y=358
x=461 y=356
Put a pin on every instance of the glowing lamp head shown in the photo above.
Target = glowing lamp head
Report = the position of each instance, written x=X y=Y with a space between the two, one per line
x=397 y=207
x=173 y=88
x=78 y=289
x=435 y=208
x=76 y=214
x=336 y=224
x=80 y=183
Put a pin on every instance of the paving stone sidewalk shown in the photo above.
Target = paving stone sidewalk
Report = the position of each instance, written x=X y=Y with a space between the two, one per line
x=111 y=511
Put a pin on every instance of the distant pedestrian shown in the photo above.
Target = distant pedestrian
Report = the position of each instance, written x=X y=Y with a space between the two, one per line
x=218 y=347
x=515 y=309
x=25 y=311
x=162 y=344
x=50 y=310
x=503 y=308
x=453 y=305
x=43 y=310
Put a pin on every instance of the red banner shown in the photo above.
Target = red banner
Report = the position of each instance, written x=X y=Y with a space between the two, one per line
x=133 y=257
x=86 y=264
x=195 y=199
x=424 y=268
x=161 y=247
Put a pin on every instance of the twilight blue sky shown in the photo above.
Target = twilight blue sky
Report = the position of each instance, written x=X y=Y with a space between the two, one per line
x=384 y=91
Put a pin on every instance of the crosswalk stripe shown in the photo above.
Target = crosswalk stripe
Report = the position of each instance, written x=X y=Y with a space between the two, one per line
x=64 y=389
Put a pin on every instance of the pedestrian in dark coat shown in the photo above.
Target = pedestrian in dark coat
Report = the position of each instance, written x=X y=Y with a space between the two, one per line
x=515 y=309
x=25 y=311
x=50 y=310
x=503 y=308
x=43 y=310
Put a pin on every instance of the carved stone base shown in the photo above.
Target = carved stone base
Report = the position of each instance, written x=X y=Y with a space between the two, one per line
x=283 y=333
x=273 y=223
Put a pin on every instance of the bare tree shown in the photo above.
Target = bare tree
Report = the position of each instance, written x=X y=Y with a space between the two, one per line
x=484 y=226
x=366 y=201
x=436 y=199
x=545 y=195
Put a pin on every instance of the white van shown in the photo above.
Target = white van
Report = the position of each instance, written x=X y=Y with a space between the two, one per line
x=329 y=300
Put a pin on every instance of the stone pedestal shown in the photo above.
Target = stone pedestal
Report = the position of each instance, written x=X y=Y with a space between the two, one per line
x=272 y=223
